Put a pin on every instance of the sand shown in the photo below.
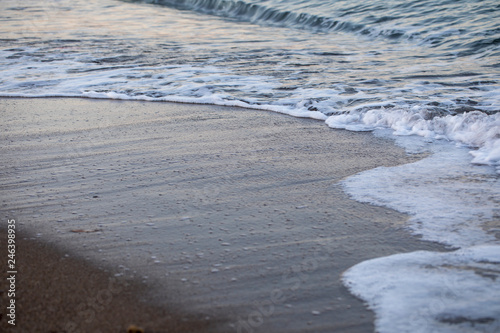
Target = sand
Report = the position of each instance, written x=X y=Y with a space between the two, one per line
x=57 y=293
x=232 y=217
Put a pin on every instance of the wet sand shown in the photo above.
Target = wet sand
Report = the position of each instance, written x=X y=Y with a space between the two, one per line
x=58 y=293
x=233 y=217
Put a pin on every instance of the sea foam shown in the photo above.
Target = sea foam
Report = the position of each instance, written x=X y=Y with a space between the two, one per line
x=474 y=129
x=432 y=292
x=449 y=201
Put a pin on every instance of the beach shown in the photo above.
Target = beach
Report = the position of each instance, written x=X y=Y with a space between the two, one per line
x=232 y=217
x=250 y=166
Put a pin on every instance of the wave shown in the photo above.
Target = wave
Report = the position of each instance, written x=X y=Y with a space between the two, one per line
x=371 y=21
x=259 y=14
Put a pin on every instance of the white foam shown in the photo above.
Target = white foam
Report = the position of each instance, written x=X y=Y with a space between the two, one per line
x=432 y=292
x=474 y=129
x=489 y=154
x=76 y=75
x=450 y=201
x=174 y=83
x=447 y=198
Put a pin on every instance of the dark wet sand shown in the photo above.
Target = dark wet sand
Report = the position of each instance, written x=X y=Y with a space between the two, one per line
x=58 y=293
x=224 y=219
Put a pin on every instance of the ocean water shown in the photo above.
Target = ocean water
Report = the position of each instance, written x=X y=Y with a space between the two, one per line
x=426 y=73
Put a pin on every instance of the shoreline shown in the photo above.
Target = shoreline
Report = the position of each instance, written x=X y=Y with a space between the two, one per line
x=234 y=211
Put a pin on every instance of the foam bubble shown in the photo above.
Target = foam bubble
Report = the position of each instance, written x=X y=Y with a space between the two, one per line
x=474 y=129
x=432 y=292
